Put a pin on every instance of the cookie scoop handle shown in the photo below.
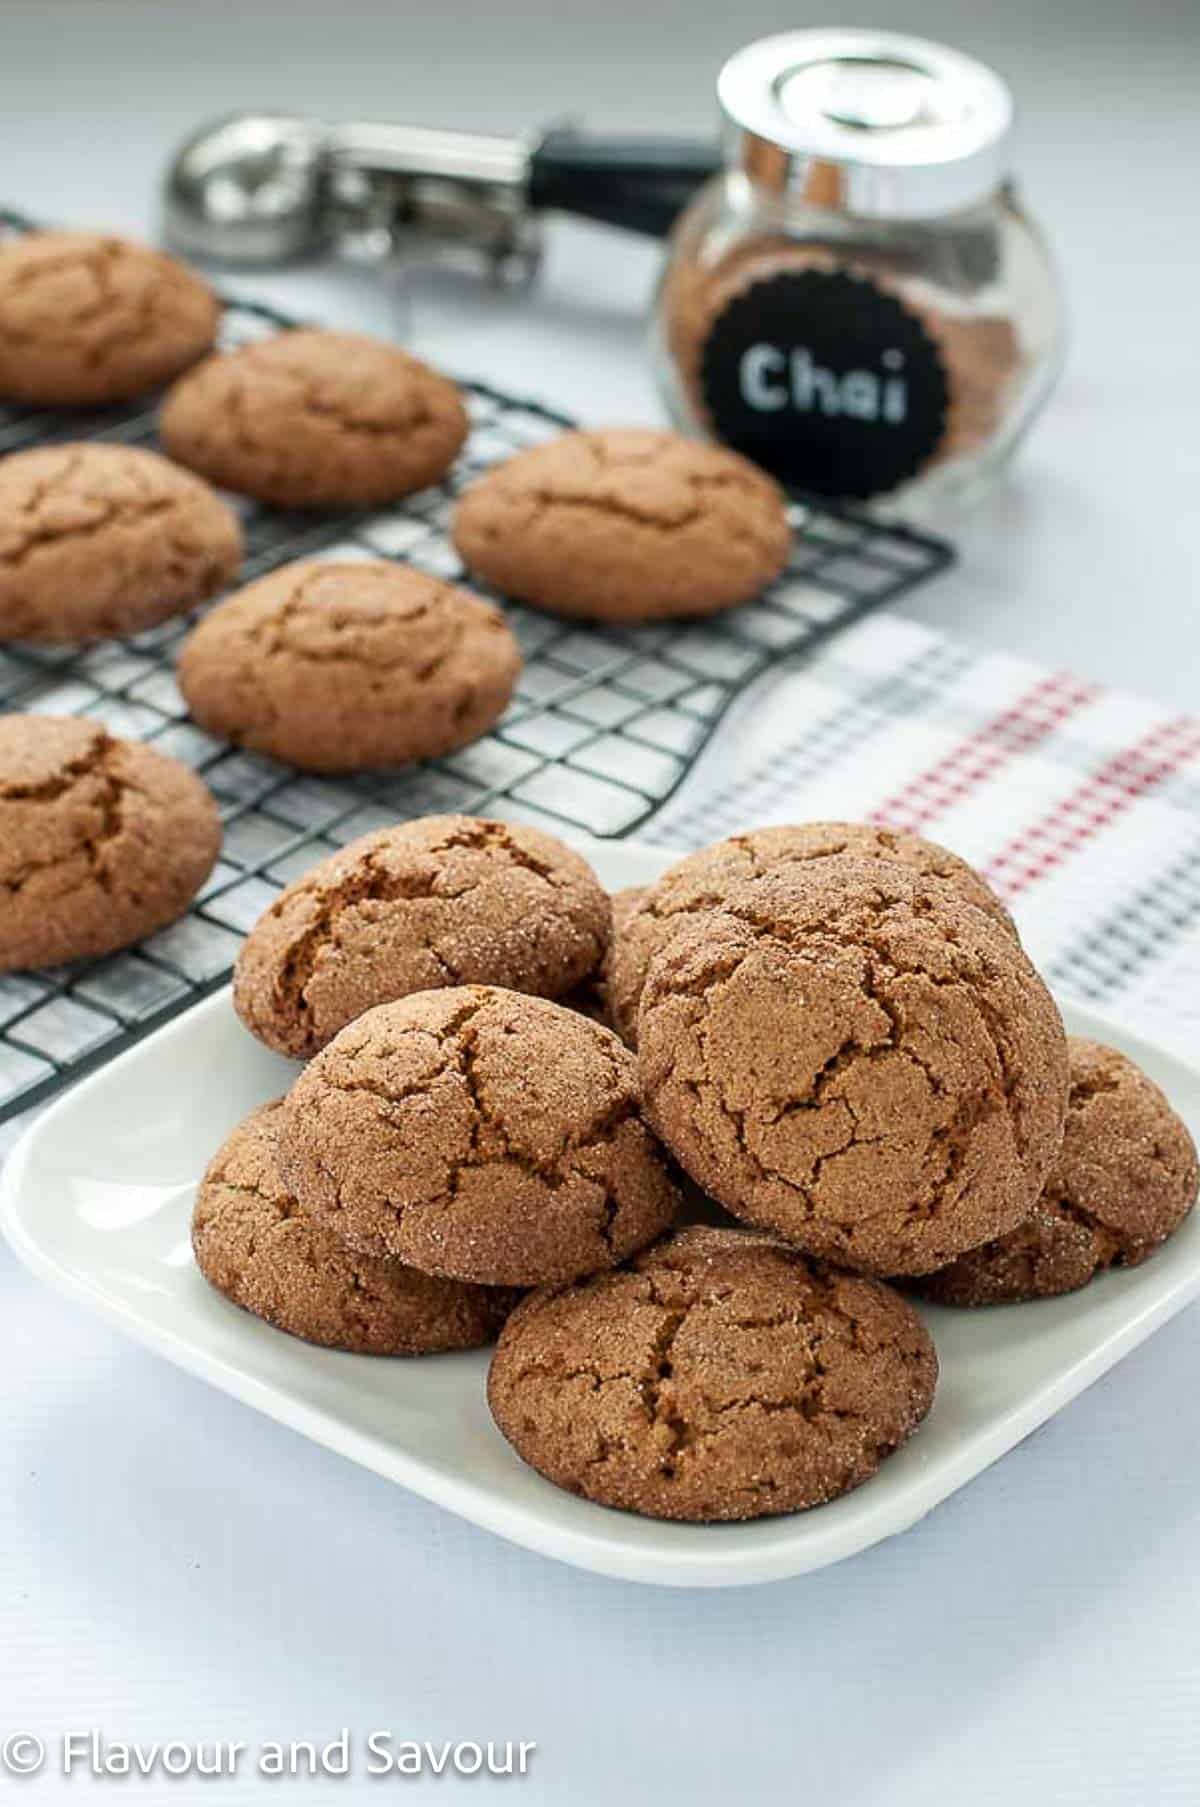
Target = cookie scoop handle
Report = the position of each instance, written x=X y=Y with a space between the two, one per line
x=640 y=184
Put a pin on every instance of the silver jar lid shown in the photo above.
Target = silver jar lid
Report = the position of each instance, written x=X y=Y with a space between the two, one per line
x=873 y=123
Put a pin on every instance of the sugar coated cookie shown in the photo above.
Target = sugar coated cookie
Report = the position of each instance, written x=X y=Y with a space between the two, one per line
x=340 y=667
x=629 y=525
x=478 y=1133
x=704 y=879
x=314 y=419
x=1125 y=1180
x=101 y=840
x=87 y=319
x=252 y=1243
x=846 y=1054
x=100 y=540
x=444 y=900
x=719 y=1376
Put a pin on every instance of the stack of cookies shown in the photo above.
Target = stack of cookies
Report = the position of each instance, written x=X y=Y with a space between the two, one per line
x=704 y=1129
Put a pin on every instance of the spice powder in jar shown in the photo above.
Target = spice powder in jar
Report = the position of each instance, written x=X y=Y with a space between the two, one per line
x=857 y=301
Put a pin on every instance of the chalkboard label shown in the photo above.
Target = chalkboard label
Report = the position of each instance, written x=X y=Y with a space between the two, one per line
x=826 y=381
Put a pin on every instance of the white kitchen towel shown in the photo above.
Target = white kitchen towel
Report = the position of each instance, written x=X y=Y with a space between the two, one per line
x=1081 y=805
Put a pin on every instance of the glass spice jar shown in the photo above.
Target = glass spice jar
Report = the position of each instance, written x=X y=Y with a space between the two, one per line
x=857 y=301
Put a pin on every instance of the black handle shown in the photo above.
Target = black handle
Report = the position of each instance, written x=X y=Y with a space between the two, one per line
x=642 y=184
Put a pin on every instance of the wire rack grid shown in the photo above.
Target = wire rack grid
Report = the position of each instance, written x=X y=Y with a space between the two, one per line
x=605 y=724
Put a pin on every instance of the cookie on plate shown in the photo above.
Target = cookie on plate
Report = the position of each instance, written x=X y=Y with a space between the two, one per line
x=316 y=419
x=444 y=900
x=87 y=319
x=252 y=1243
x=480 y=1134
x=634 y=524
x=101 y=840
x=848 y=1055
x=719 y=1376
x=101 y=540
x=1124 y=1181
x=704 y=879
x=341 y=667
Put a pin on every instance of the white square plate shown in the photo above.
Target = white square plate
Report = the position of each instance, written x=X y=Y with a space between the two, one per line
x=97 y=1198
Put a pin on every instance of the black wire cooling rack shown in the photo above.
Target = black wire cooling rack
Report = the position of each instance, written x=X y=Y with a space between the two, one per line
x=605 y=724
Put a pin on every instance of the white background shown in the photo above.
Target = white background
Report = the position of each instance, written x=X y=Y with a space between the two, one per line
x=170 y=1565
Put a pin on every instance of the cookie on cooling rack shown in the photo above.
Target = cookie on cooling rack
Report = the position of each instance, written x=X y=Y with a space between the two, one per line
x=252 y=1243
x=480 y=1134
x=718 y=1376
x=704 y=879
x=443 y=900
x=625 y=525
x=316 y=419
x=101 y=840
x=88 y=319
x=1123 y=1183
x=100 y=540
x=341 y=667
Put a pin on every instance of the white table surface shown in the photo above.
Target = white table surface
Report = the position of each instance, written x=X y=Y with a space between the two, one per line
x=172 y=1566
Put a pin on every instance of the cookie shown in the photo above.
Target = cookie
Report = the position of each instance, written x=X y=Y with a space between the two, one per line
x=252 y=1243
x=846 y=1054
x=312 y=419
x=704 y=879
x=719 y=1376
x=101 y=840
x=98 y=540
x=480 y=1134
x=630 y=525
x=445 y=900
x=1125 y=1180
x=341 y=667
x=87 y=319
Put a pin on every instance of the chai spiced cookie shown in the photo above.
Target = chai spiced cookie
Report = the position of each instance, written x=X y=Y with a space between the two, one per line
x=1124 y=1181
x=719 y=1376
x=477 y=1133
x=87 y=319
x=341 y=667
x=101 y=840
x=704 y=880
x=98 y=540
x=848 y=1055
x=631 y=524
x=444 y=900
x=253 y=1243
x=316 y=419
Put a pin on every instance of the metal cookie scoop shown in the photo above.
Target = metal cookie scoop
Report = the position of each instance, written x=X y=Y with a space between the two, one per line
x=263 y=188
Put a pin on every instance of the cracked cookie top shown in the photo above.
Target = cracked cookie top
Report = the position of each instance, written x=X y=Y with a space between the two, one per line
x=101 y=840
x=846 y=1054
x=480 y=1134
x=704 y=879
x=98 y=540
x=629 y=525
x=1124 y=1181
x=443 y=900
x=315 y=419
x=340 y=667
x=87 y=319
x=253 y=1243
x=719 y=1376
